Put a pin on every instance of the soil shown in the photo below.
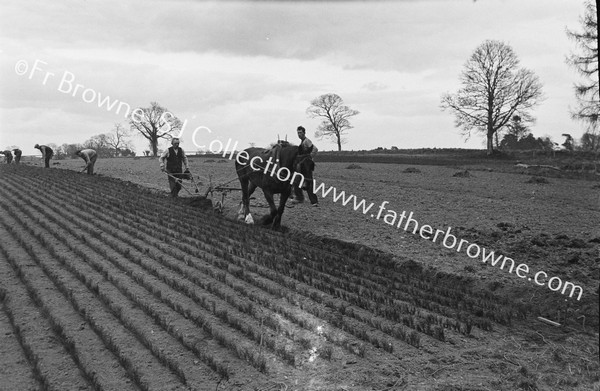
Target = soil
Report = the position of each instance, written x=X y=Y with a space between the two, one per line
x=551 y=226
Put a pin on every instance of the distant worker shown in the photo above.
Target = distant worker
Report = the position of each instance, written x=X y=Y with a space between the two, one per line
x=306 y=148
x=174 y=157
x=47 y=153
x=89 y=156
x=18 y=154
x=8 y=156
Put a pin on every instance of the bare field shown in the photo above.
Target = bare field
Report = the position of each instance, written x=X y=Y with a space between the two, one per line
x=109 y=285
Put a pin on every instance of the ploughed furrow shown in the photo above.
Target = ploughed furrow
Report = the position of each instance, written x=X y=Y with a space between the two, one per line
x=31 y=306
x=154 y=287
x=377 y=328
x=18 y=369
x=16 y=372
x=246 y=317
x=371 y=272
x=270 y=321
x=51 y=276
x=234 y=275
x=280 y=286
x=132 y=304
x=451 y=299
x=383 y=280
x=417 y=288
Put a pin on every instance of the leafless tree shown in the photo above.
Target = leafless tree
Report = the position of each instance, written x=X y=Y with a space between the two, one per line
x=118 y=138
x=335 y=116
x=154 y=122
x=494 y=89
x=586 y=63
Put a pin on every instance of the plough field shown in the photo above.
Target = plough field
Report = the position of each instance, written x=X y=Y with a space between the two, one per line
x=106 y=285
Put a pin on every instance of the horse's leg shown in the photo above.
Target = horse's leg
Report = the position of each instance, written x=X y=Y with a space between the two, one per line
x=282 y=200
x=251 y=188
x=268 y=218
x=245 y=197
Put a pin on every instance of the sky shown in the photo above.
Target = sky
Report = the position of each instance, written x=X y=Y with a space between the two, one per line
x=248 y=70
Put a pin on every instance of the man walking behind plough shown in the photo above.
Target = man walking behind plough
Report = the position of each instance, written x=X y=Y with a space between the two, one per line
x=174 y=158
x=89 y=156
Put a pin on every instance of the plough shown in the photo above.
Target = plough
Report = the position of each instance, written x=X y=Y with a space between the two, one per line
x=223 y=189
x=212 y=189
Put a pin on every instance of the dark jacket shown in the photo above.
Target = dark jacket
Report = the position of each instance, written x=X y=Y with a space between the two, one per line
x=175 y=160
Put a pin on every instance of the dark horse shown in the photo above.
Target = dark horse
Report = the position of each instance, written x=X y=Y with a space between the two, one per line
x=260 y=170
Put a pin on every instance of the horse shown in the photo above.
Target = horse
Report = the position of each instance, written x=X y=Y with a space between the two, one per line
x=274 y=170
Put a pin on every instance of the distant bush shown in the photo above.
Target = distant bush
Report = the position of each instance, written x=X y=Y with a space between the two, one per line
x=537 y=179
x=353 y=166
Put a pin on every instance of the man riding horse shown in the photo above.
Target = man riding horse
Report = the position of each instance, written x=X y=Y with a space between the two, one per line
x=274 y=171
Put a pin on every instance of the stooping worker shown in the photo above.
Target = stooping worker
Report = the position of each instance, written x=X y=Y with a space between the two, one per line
x=47 y=153
x=18 y=154
x=89 y=156
x=8 y=156
x=306 y=148
x=175 y=158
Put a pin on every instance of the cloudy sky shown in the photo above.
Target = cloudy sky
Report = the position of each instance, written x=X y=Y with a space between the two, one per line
x=247 y=70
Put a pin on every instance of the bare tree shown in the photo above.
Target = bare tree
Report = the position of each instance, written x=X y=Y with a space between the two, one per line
x=494 y=89
x=118 y=138
x=586 y=63
x=335 y=116
x=154 y=122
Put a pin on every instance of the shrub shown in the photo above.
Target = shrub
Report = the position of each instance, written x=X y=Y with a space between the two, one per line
x=538 y=179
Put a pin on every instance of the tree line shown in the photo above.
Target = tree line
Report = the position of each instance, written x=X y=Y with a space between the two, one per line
x=112 y=144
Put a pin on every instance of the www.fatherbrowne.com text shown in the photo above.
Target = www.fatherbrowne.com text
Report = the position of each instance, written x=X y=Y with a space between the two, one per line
x=447 y=239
